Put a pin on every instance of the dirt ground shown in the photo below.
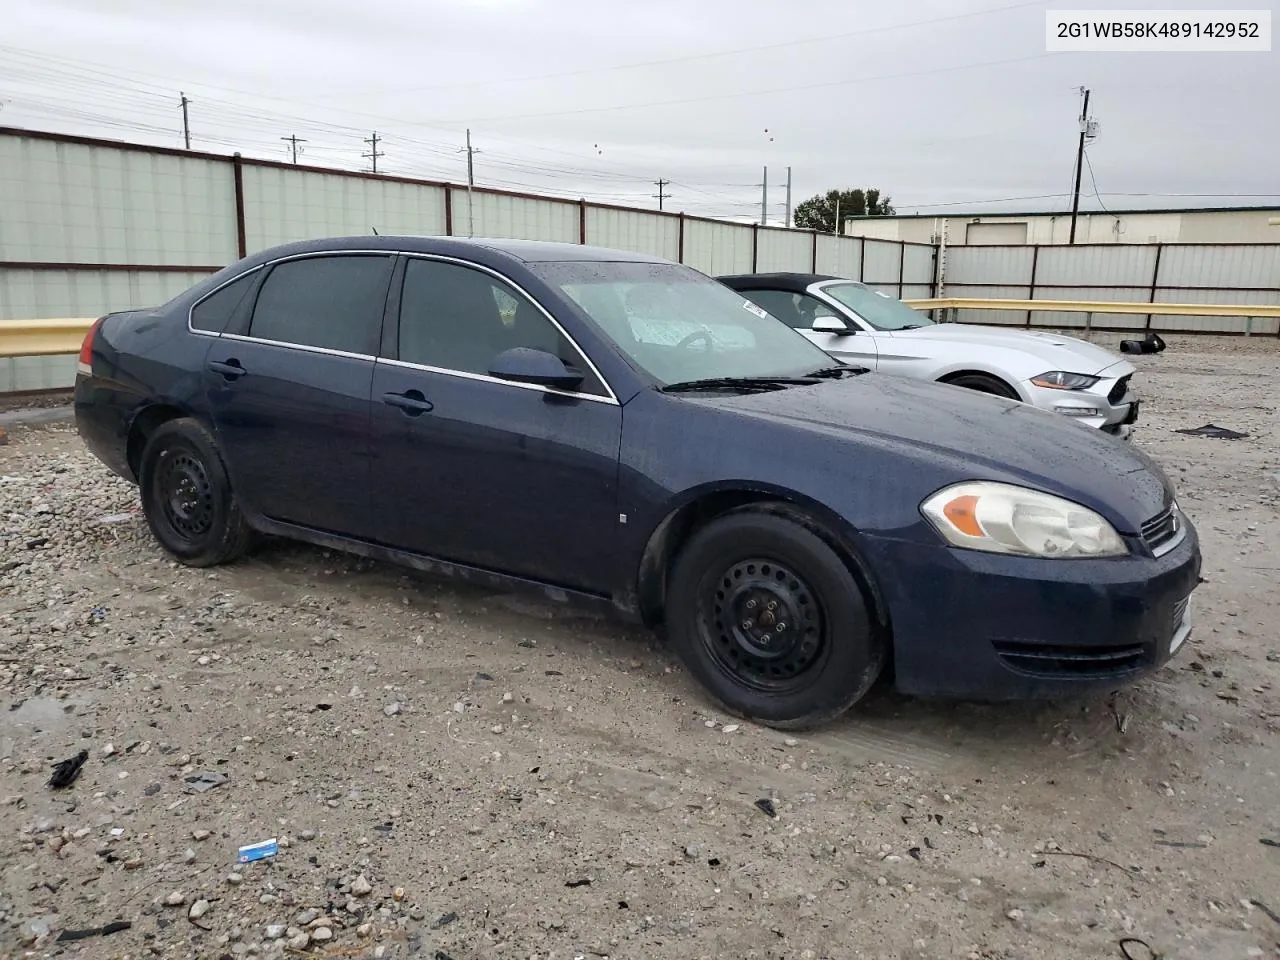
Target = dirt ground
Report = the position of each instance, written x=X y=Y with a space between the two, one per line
x=454 y=774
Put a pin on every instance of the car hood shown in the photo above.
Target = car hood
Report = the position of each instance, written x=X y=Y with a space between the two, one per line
x=973 y=436
x=1052 y=351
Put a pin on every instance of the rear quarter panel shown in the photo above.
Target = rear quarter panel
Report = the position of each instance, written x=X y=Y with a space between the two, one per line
x=140 y=359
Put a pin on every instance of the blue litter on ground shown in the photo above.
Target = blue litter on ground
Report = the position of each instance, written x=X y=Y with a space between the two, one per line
x=258 y=851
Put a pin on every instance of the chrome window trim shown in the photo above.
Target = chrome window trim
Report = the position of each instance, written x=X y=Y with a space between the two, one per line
x=271 y=263
x=305 y=347
x=485 y=378
x=612 y=397
x=191 y=328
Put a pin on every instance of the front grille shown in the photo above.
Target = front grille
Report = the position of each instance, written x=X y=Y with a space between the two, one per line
x=1072 y=662
x=1160 y=530
x=1119 y=390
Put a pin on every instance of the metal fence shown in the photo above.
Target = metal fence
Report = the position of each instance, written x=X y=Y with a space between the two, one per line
x=1218 y=273
x=88 y=226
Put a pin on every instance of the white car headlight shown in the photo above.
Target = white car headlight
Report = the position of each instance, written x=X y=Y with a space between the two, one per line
x=1002 y=518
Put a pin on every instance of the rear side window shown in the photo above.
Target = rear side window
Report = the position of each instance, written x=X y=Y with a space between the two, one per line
x=213 y=312
x=331 y=302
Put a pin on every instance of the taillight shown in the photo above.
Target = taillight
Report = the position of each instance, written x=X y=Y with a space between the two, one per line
x=86 y=347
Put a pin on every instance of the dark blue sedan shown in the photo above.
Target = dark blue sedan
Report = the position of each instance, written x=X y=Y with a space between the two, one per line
x=619 y=430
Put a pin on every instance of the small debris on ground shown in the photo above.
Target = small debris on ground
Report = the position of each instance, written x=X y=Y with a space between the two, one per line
x=66 y=771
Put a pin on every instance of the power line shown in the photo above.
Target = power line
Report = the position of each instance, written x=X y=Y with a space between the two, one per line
x=1094 y=181
x=931 y=21
x=749 y=93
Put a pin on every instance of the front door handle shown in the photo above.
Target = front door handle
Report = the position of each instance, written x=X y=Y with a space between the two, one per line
x=230 y=369
x=412 y=402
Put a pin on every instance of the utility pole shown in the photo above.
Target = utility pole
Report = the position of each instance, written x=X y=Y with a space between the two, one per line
x=764 y=197
x=836 y=226
x=293 y=142
x=660 y=183
x=186 y=125
x=1075 y=197
x=373 y=153
x=471 y=182
x=787 y=223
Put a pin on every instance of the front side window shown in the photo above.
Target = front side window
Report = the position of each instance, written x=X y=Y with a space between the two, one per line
x=333 y=302
x=457 y=318
x=214 y=312
x=679 y=325
x=880 y=310
x=798 y=310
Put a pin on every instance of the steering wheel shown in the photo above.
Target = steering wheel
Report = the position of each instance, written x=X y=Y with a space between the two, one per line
x=694 y=338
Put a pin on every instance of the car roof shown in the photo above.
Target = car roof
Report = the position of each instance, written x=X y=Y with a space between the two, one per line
x=794 y=282
x=527 y=251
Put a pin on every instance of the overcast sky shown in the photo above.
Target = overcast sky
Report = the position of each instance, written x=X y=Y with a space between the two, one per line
x=946 y=105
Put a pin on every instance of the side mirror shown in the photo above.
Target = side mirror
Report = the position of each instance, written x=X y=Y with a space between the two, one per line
x=832 y=325
x=527 y=365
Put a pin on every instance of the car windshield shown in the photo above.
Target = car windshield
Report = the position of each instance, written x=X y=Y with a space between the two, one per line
x=679 y=325
x=879 y=309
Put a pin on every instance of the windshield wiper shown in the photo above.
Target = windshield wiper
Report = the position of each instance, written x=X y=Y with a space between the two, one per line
x=912 y=326
x=737 y=383
x=835 y=373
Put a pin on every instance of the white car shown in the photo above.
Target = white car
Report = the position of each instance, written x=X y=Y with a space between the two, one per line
x=858 y=324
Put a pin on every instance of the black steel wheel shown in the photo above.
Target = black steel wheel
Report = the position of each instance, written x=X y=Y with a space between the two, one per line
x=763 y=624
x=770 y=619
x=187 y=497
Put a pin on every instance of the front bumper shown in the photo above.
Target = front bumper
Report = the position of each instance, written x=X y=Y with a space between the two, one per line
x=979 y=626
x=1110 y=405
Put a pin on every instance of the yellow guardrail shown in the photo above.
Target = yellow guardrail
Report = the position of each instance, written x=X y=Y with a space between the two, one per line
x=1098 y=306
x=43 y=338
x=63 y=335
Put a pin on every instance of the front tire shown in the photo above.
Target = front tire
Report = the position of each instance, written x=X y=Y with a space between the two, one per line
x=769 y=619
x=187 y=497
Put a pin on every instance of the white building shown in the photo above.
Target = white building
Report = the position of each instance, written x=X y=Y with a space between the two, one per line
x=1205 y=225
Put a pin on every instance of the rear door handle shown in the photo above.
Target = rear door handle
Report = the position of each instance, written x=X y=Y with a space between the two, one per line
x=230 y=369
x=412 y=402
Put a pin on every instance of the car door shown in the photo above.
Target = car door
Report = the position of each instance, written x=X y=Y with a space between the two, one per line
x=478 y=470
x=288 y=390
x=855 y=345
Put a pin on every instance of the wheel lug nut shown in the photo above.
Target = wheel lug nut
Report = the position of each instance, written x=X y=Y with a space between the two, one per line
x=781 y=627
x=746 y=624
x=751 y=604
x=773 y=604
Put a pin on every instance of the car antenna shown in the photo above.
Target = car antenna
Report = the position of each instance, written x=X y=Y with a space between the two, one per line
x=375 y=231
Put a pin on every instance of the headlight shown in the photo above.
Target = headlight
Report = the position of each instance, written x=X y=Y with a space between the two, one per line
x=1062 y=380
x=1002 y=518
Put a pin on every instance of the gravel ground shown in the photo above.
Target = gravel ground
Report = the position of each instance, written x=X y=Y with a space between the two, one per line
x=451 y=773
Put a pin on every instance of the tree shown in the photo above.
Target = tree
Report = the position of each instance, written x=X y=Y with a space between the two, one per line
x=819 y=212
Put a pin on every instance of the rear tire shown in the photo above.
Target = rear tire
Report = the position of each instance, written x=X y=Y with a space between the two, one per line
x=187 y=496
x=983 y=383
x=769 y=619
